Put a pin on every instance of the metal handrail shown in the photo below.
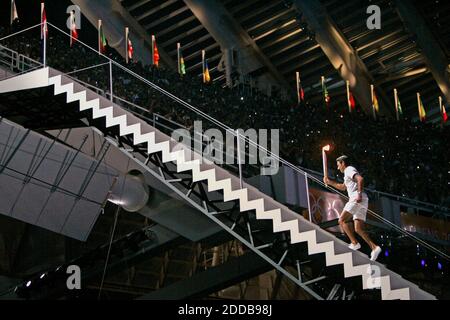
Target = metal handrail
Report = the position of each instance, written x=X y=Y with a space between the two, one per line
x=390 y=195
x=87 y=68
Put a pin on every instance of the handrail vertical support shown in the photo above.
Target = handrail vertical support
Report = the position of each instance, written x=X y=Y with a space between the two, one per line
x=44 y=59
x=307 y=195
x=239 y=157
x=110 y=81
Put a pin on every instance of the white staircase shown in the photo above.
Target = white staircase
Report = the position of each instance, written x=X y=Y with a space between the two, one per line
x=373 y=274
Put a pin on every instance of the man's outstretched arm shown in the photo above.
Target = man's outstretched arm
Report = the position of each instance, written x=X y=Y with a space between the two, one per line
x=334 y=184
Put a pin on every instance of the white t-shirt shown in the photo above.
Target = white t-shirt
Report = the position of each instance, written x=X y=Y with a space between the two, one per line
x=350 y=183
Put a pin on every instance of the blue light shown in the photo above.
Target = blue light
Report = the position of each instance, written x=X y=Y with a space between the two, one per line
x=422 y=262
x=386 y=253
x=439 y=266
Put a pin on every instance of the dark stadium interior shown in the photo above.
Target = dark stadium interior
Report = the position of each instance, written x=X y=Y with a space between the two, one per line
x=405 y=162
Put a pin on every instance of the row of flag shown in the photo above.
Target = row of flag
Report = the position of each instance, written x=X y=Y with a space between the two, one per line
x=375 y=105
x=155 y=53
x=129 y=51
x=102 y=44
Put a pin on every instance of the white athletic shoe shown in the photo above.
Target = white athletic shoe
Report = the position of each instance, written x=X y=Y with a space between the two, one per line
x=354 y=246
x=374 y=254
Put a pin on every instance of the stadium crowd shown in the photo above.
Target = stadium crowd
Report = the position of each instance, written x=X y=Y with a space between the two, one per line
x=404 y=158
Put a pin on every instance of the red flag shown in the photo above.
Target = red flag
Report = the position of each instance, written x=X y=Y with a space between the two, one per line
x=73 y=29
x=350 y=99
x=44 y=28
x=130 y=49
x=444 y=114
x=351 y=102
x=302 y=94
x=128 y=46
x=155 y=52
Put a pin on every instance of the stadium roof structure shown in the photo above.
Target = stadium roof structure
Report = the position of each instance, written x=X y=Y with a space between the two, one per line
x=410 y=52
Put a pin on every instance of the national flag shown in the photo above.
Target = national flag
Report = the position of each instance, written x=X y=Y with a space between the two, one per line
x=351 y=102
x=375 y=105
x=300 y=91
x=422 y=113
x=130 y=50
x=73 y=29
x=443 y=111
x=206 y=76
x=444 y=114
x=155 y=55
x=14 y=15
x=398 y=105
x=101 y=38
x=326 y=96
x=44 y=27
x=129 y=46
x=350 y=99
x=181 y=65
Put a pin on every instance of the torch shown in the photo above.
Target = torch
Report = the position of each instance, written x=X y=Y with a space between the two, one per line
x=324 y=159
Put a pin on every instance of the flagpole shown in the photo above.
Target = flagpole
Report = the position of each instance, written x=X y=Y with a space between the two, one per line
x=307 y=195
x=203 y=64
x=418 y=106
x=348 y=96
x=42 y=27
x=178 y=58
x=297 y=77
x=99 y=35
x=373 y=106
x=153 y=49
x=111 y=79
x=45 y=45
x=44 y=34
x=396 y=104
x=71 y=28
x=12 y=12
x=126 y=44
x=323 y=90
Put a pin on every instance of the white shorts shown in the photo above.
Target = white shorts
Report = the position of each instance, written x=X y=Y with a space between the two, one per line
x=358 y=210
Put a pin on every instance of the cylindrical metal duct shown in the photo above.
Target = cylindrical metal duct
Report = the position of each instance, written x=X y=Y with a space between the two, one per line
x=130 y=191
